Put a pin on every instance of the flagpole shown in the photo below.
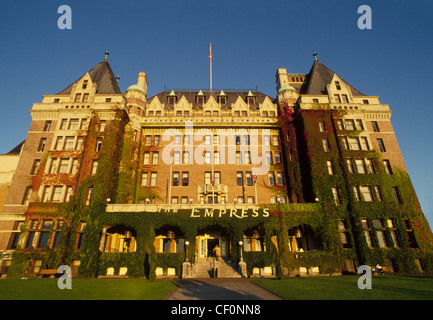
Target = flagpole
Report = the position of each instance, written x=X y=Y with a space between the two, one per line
x=210 y=65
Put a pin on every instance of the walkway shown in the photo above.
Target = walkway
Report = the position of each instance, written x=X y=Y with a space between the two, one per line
x=220 y=289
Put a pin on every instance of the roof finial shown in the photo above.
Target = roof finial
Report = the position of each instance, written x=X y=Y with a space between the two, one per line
x=315 y=55
x=118 y=77
x=106 y=55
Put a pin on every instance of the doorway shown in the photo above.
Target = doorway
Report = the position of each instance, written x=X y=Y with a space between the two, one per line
x=211 y=244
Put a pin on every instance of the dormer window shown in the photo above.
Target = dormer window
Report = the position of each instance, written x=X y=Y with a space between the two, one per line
x=200 y=99
x=84 y=84
x=171 y=100
x=222 y=100
x=78 y=97
x=337 y=85
x=251 y=100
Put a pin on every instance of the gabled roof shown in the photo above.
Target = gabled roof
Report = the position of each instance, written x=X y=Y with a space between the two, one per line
x=317 y=79
x=103 y=76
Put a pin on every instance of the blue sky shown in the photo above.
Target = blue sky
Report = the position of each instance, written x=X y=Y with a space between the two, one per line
x=169 y=40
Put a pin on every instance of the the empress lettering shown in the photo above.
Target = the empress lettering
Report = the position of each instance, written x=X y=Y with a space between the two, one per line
x=232 y=213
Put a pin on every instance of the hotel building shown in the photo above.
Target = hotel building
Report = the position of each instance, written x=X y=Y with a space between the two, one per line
x=119 y=184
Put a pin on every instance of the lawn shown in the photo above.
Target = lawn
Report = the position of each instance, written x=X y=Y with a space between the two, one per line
x=346 y=288
x=86 y=289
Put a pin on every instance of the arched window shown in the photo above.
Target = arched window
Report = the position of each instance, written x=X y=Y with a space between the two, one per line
x=120 y=239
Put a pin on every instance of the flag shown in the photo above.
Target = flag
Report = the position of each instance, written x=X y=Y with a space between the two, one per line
x=210 y=52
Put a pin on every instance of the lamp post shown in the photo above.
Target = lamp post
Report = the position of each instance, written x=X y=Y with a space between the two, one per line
x=186 y=251
x=240 y=247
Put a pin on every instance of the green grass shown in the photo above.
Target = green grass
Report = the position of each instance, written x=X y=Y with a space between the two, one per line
x=86 y=289
x=346 y=288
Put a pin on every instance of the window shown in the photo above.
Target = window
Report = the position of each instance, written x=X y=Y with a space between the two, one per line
x=80 y=141
x=63 y=167
x=26 y=197
x=94 y=167
x=364 y=143
x=89 y=195
x=217 y=157
x=155 y=157
x=370 y=166
x=42 y=144
x=344 y=234
x=387 y=165
x=144 y=178
x=146 y=158
x=81 y=235
x=74 y=166
x=207 y=178
x=175 y=178
x=381 y=145
x=77 y=97
x=177 y=140
x=238 y=157
x=365 y=102
x=153 y=177
x=271 y=178
x=59 y=143
x=249 y=178
x=356 y=193
x=350 y=165
x=57 y=233
x=185 y=179
x=375 y=126
x=268 y=157
x=350 y=124
x=68 y=193
x=47 y=126
x=239 y=178
x=247 y=157
x=354 y=143
x=330 y=167
x=57 y=194
x=85 y=97
x=359 y=124
x=147 y=140
x=84 y=84
x=267 y=140
x=156 y=140
x=207 y=157
x=410 y=234
x=322 y=127
x=35 y=166
x=63 y=124
x=397 y=195
x=367 y=232
x=69 y=143
x=380 y=233
x=207 y=140
x=280 y=178
x=337 y=98
x=45 y=234
x=98 y=144
x=344 y=98
x=83 y=124
x=345 y=143
x=46 y=194
x=217 y=177
x=378 y=192
x=73 y=124
x=275 y=140
x=336 y=194
x=277 y=155
x=325 y=144
x=340 y=125
x=186 y=157
x=360 y=166
x=366 y=193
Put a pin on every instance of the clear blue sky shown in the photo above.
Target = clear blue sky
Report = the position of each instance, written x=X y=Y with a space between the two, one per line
x=169 y=40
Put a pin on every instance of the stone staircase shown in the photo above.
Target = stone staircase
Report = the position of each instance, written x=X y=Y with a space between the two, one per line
x=203 y=268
